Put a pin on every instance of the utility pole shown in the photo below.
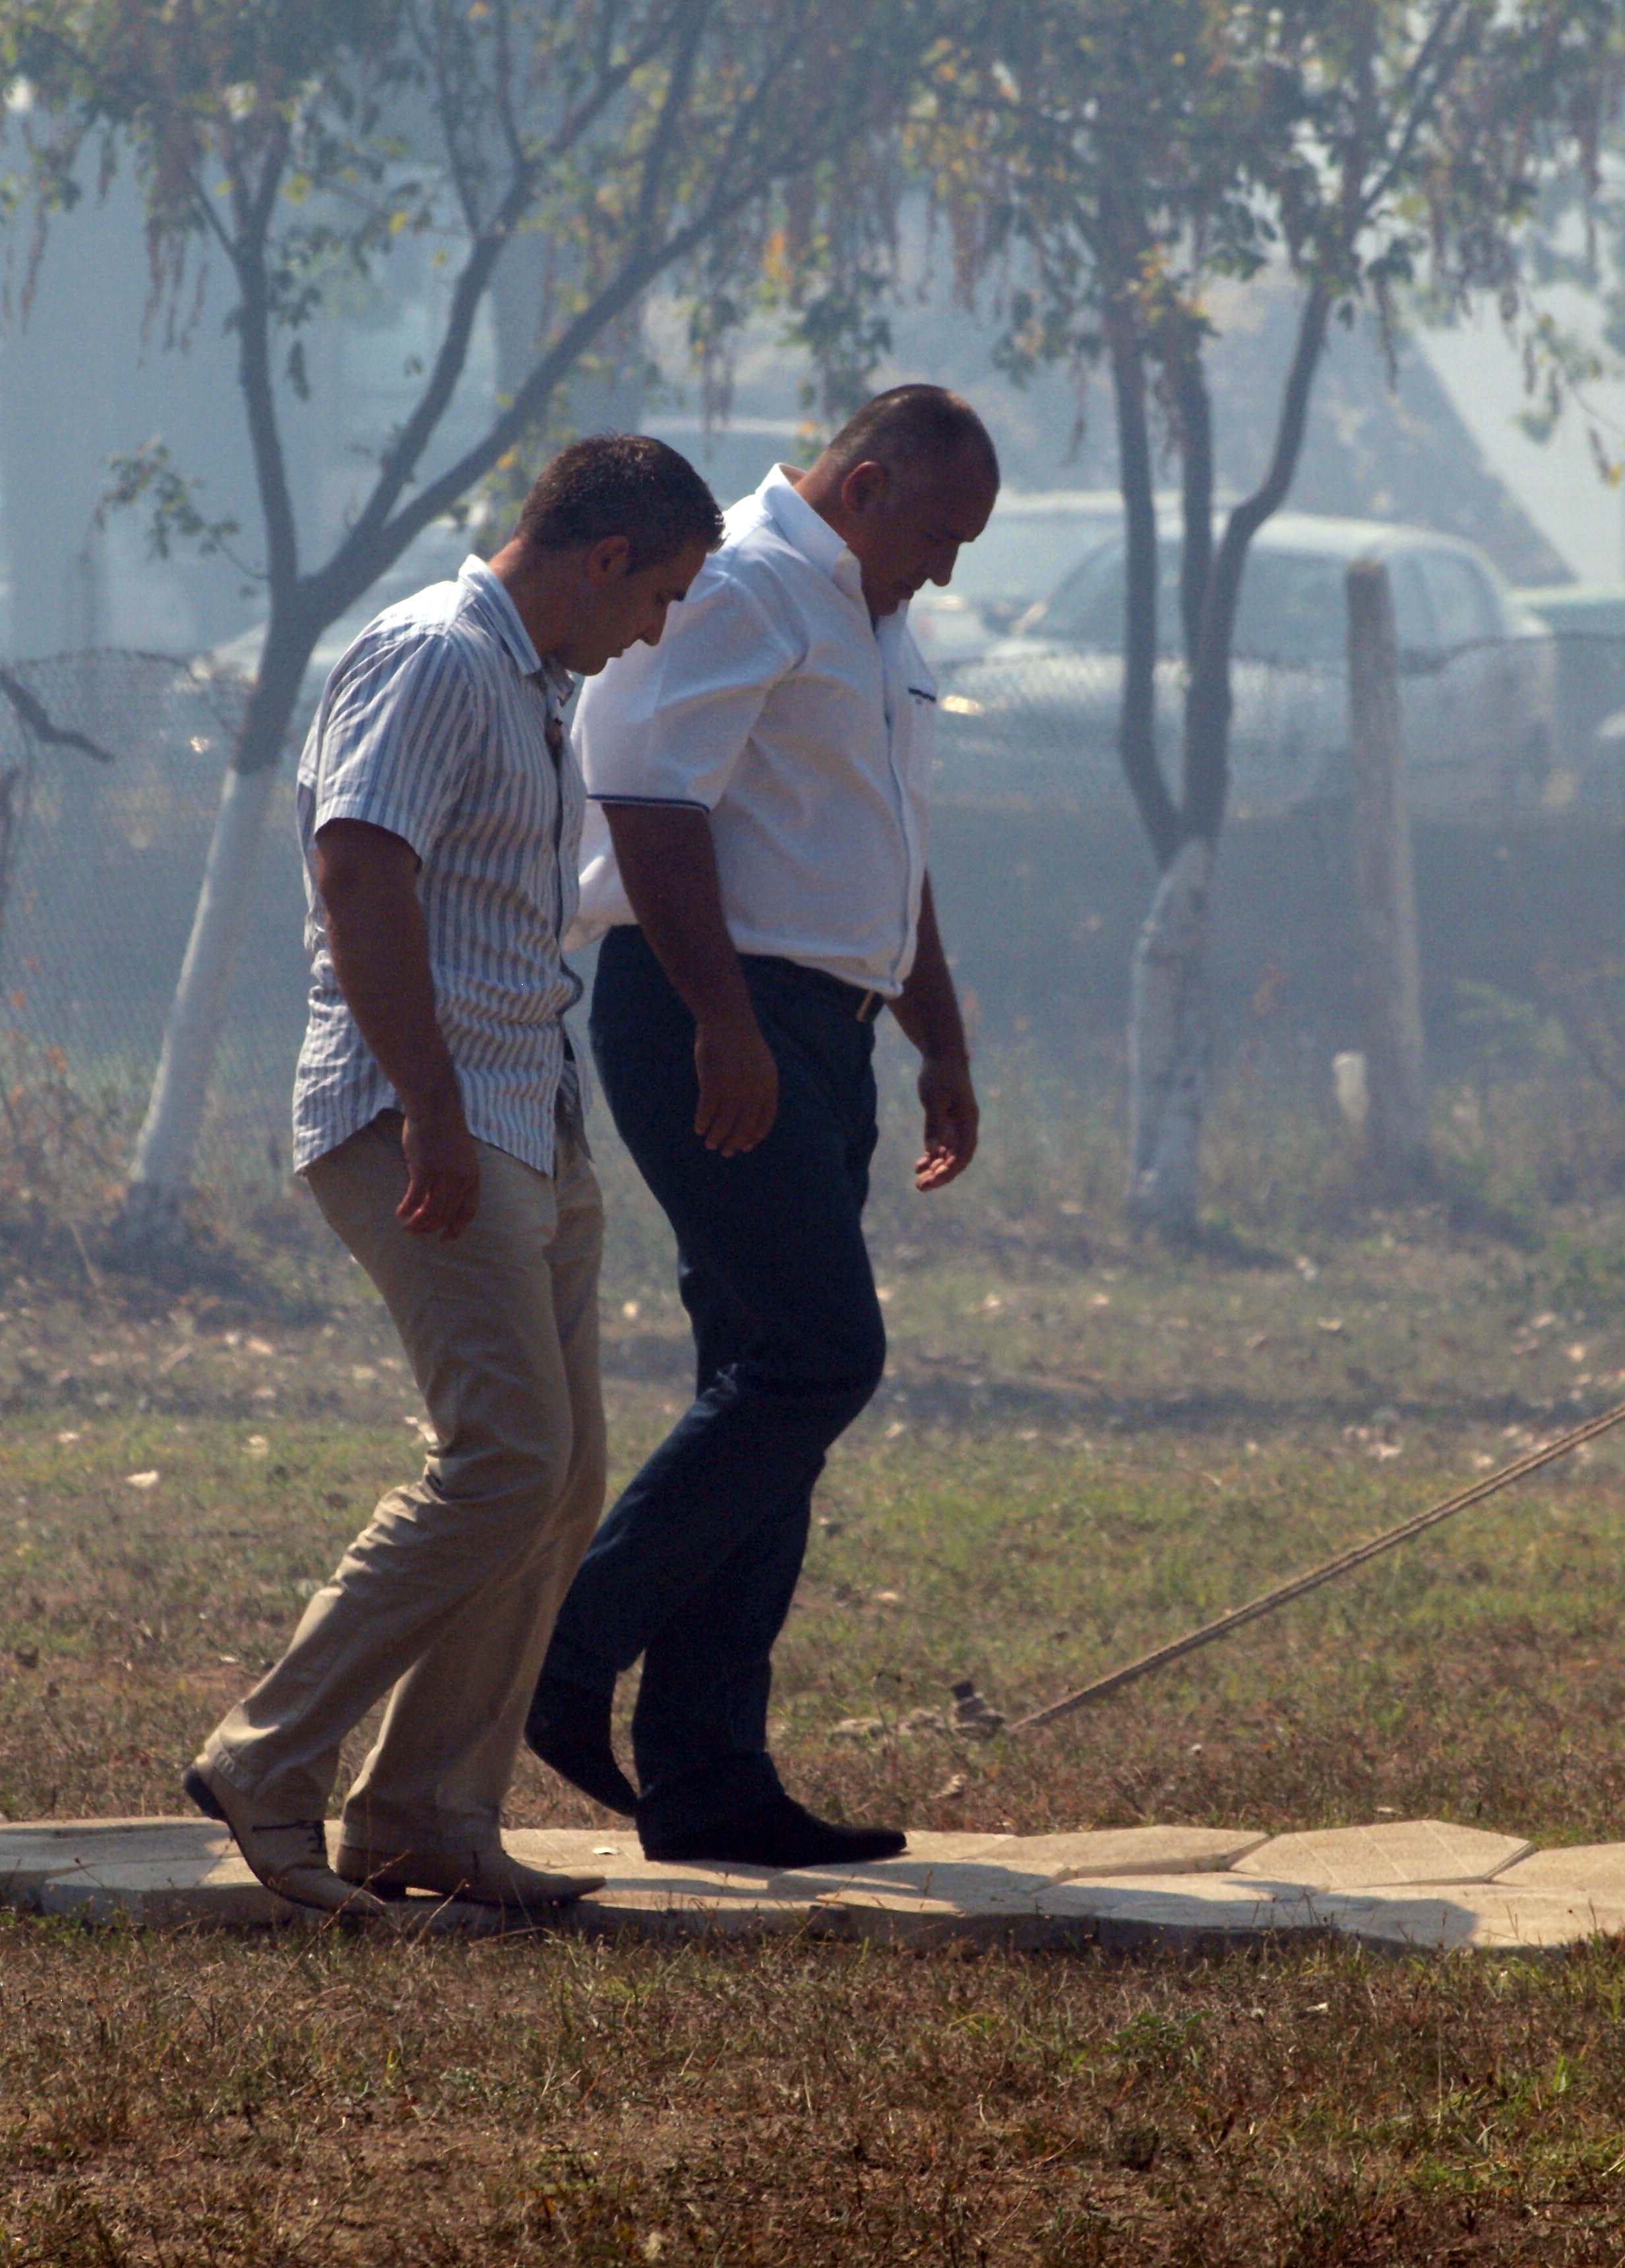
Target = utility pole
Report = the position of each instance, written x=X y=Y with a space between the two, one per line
x=1389 y=965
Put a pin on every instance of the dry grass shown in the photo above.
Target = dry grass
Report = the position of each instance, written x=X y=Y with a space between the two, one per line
x=184 y=2101
x=1081 y=1449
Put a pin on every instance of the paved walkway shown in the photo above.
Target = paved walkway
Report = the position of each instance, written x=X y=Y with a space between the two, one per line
x=1415 y=1883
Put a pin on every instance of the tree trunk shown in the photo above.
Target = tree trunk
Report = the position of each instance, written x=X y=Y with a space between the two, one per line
x=1169 y=1042
x=161 y=1174
x=1137 y=717
x=1168 y=1046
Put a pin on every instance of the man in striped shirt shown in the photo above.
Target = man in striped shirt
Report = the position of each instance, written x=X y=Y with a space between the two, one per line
x=438 y=1120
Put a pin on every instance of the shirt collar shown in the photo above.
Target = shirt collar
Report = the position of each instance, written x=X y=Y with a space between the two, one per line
x=808 y=531
x=495 y=603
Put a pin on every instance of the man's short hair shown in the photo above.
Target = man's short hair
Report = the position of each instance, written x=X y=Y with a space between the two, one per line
x=620 y=484
x=910 y=425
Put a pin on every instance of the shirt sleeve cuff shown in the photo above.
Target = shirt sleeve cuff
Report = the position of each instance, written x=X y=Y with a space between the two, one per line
x=611 y=801
x=414 y=830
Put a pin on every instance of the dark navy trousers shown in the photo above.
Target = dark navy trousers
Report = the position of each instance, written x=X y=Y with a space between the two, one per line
x=695 y=1566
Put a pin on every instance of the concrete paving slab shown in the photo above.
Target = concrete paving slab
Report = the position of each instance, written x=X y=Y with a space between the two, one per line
x=1177 y=1913
x=656 y=1895
x=948 y=1882
x=1098 y=1851
x=31 y=1855
x=219 y=1892
x=1474 y=1917
x=212 y=1887
x=1596 y=1868
x=957 y=1869
x=571 y=1850
x=1388 y=1855
x=673 y=1899
x=176 y=1872
x=1025 y=1891
x=902 y=1917
x=1189 y=1913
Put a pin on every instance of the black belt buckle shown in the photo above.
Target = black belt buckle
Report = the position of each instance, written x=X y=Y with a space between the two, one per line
x=868 y=1007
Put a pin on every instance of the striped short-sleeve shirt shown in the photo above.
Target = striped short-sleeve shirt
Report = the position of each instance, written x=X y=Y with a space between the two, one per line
x=442 y=725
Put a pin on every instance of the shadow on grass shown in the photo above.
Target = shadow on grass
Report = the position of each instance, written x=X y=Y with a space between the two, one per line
x=980 y=1404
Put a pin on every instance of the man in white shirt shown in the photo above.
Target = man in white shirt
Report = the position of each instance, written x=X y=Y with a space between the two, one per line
x=754 y=860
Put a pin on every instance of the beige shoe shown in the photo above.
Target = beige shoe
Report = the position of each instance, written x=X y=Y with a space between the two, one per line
x=485 y=1877
x=289 y=1858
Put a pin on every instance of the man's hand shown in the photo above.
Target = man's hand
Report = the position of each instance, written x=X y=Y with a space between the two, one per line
x=928 y=1011
x=443 y=1171
x=952 y=1119
x=738 y=1084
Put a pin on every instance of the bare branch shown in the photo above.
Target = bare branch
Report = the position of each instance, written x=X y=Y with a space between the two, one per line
x=529 y=403
x=673 y=104
x=37 y=719
x=401 y=459
x=613 y=78
x=1421 y=100
x=252 y=210
x=1207 y=705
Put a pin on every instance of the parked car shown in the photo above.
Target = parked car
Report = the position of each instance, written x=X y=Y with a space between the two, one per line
x=1032 y=540
x=1038 y=713
x=1587 y=624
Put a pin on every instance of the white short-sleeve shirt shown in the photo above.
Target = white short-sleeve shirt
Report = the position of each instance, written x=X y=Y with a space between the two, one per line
x=773 y=703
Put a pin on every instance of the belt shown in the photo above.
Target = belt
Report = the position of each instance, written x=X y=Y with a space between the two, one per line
x=865 y=1005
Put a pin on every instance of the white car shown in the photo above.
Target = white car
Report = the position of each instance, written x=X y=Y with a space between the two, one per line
x=1038 y=713
x=1031 y=541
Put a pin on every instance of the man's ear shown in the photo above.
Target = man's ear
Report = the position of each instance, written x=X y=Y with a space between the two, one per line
x=865 y=486
x=608 y=561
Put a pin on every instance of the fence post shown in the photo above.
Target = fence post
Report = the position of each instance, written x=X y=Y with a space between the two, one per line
x=1389 y=967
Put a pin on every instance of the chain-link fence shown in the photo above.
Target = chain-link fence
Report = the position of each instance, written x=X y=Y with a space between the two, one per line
x=1491 y=727
x=111 y=766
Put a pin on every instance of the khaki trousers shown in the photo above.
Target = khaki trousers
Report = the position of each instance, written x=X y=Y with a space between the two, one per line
x=449 y=1594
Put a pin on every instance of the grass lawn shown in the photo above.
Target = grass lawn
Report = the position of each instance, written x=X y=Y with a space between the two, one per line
x=1082 y=1449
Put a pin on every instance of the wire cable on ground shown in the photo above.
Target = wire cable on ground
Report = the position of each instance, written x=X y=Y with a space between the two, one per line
x=1547 y=1453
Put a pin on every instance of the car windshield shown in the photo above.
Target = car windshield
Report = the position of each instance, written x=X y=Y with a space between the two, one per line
x=1022 y=556
x=1292 y=610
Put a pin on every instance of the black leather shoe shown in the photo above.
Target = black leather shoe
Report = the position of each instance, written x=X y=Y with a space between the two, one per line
x=780 y=1834
x=569 y=1728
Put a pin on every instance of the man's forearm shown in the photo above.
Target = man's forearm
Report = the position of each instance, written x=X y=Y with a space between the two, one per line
x=927 y=1008
x=366 y=878
x=668 y=865
x=367 y=883
x=380 y=958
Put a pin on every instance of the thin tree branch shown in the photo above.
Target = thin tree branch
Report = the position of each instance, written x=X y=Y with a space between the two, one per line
x=37 y=720
x=1419 y=101
x=401 y=459
x=1207 y=705
x=375 y=535
x=673 y=103
x=612 y=81
x=252 y=216
x=529 y=403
